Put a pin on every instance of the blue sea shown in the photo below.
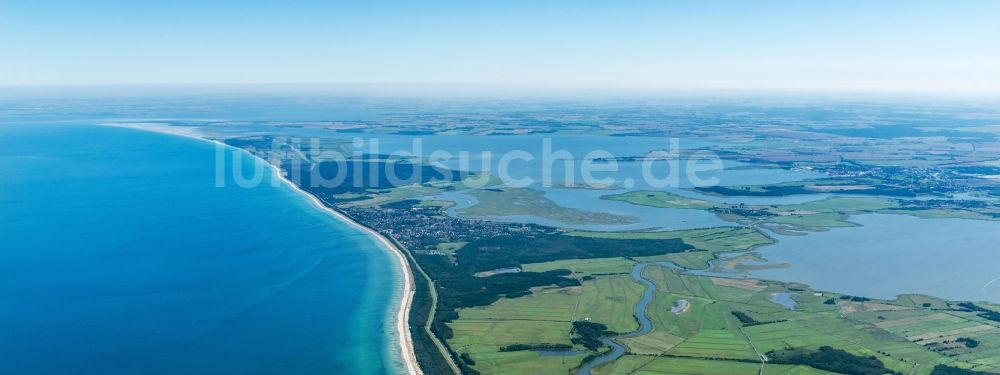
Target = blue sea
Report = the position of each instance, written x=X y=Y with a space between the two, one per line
x=119 y=254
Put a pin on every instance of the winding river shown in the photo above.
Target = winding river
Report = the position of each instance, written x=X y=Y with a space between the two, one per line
x=645 y=326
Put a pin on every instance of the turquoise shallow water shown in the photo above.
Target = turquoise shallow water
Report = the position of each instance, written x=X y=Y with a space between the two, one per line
x=118 y=254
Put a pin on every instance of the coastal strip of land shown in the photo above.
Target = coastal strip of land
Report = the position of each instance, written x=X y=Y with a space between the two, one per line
x=406 y=350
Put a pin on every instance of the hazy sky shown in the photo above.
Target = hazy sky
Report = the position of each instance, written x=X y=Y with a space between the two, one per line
x=906 y=45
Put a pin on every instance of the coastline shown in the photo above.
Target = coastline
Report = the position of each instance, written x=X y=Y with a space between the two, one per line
x=405 y=340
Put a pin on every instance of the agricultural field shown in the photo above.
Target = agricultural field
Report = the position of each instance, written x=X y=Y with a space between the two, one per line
x=633 y=364
x=708 y=240
x=545 y=317
x=814 y=221
x=727 y=327
x=827 y=213
x=662 y=199
x=585 y=267
x=964 y=337
x=501 y=202
x=842 y=205
x=653 y=343
x=609 y=300
x=700 y=323
x=690 y=260
x=831 y=212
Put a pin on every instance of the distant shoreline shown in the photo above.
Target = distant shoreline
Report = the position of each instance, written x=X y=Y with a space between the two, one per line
x=406 y=350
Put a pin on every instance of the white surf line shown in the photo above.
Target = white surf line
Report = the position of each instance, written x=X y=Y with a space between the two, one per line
x=407 y=353
x=403 y=314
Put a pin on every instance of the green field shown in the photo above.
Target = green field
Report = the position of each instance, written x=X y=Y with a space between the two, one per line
x=842 y=204
x=525 y=201
x=632 y=364
x=450 y=247
x=654 y=343
x=661 y=199
x=831 y=212
x=610 y=300
x=709 y=240
x=814 y=221
x=585 y=267
x=910 y=335
x=545 y=317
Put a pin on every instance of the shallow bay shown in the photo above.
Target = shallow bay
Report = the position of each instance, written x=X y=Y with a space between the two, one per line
x=894 y=254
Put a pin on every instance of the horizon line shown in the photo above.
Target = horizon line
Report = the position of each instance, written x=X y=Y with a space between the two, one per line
x=501 y=89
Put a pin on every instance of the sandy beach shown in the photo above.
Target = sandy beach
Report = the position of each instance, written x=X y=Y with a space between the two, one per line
x=406 y=351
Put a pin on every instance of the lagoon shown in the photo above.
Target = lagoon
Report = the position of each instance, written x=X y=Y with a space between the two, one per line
x=894 y=254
